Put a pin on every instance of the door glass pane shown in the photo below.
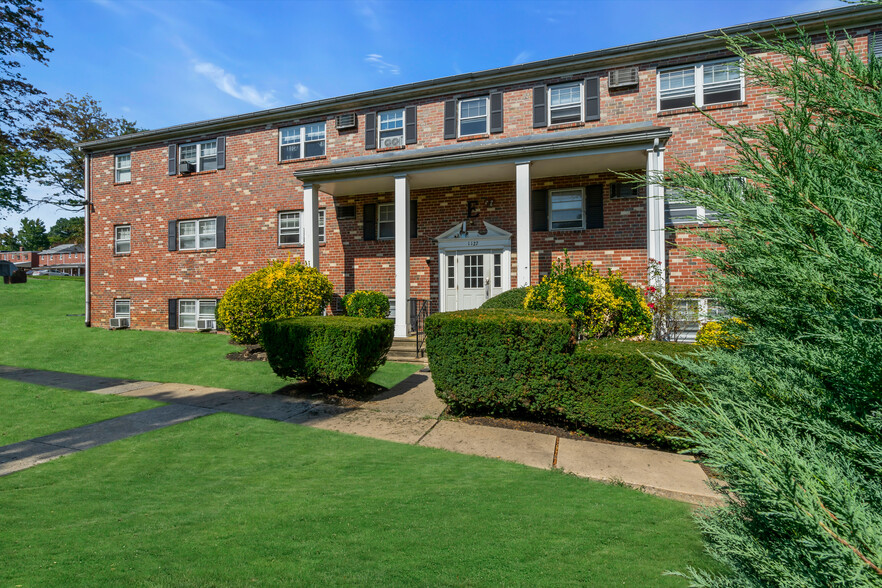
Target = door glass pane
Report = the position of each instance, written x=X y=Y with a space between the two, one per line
x=473 y=267
x=451 y=277
x=497 y=270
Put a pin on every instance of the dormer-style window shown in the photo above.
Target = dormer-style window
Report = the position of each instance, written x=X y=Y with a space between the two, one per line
x=700 y=85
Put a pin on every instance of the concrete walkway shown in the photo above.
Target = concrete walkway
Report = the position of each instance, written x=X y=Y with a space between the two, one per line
x=408 y=413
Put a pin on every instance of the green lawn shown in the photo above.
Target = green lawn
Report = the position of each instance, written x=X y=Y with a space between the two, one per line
x=38 y=333
x=30 y=411
x=233 y=501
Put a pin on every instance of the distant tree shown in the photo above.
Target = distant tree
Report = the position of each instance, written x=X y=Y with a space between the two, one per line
x=21 y=36
x=63 y=124
x=67 y=230
x=792 y=420
x=8 y=240
x=32 y=235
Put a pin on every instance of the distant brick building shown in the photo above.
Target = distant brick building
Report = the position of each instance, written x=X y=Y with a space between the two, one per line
x=68 y=259
x=23 y=259
x=449 y=191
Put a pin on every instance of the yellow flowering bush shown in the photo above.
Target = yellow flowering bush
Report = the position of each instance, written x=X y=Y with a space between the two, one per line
x=722 y=334
x=600 y=306
x=280 y=290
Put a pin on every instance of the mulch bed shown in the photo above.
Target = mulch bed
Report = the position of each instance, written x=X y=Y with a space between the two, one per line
x=518 y=425
x=249 y=353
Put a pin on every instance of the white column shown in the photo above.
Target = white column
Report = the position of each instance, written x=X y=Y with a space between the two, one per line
x=524 y=229
x=402 y=256
x=655 y=210
x=309 y=225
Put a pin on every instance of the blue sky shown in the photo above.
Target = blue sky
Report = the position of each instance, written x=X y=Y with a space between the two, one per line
x=162 y=63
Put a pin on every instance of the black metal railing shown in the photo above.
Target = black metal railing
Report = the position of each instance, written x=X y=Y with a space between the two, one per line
x=419 y=310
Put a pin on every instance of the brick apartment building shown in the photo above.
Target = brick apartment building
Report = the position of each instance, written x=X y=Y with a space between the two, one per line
x=68 y=259
x=449 y=191
x=23 y=259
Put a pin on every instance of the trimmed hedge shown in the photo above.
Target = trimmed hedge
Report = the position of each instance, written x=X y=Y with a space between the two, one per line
x=327 y=349
x=366 y=304
x=524 y=363
x=496 y=360
x=511 y=299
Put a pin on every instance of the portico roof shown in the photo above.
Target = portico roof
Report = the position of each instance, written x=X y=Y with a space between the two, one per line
x=615 y=147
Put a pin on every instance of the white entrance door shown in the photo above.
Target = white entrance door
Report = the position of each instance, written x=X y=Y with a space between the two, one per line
x=471 y=278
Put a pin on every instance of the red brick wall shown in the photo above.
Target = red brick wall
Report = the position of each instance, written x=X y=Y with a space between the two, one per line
x=254 y=187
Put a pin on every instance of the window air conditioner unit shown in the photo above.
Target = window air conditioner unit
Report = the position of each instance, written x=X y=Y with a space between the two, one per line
x=119 y=323
x=187 y=167
x=623 y=78
x=389 y=142
x=346 y=121
x=205 y=324
x=626 y=190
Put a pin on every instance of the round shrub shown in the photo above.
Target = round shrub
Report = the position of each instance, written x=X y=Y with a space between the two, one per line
x=280 y=290
x=723 y=334
x=510 y=299
x=601 y=306
x=366 y=304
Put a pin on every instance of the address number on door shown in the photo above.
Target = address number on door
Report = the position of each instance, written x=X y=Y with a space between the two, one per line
x=473 y=243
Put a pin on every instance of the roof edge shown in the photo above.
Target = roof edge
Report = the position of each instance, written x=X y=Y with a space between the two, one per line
x=615 y=56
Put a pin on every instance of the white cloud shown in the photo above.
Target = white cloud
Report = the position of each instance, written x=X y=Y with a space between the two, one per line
x=302 y=93
x=226 y=82
x=381 y=66
x=522 y=57
x=367 y=10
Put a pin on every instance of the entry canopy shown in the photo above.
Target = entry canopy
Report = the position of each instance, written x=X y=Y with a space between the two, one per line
x=562 y=153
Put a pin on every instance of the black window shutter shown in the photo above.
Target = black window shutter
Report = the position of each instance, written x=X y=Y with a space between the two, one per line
x=540 y=210
x=410 y=125
x=172 y=313
x=370 y=222
x=496 y=112
x=450 y=119
x=413 y=219
x=221 y=231
x=172 y=160
x=592 y=99
x=172 y=235
x=370 y=130
x=540 y=109
x=221 y=153
x=594 y=206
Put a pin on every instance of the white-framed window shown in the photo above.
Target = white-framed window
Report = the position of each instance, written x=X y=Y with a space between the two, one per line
x=567 y=209
x=290 y=232
x=678 y=211
x=700 y=84
x=386 y=221
x=200 y=156
x=303 y=141
x=391 y=128
x=122 y=164
x=122 y=239
x=197 y=234
x=565 y=103
x=122 y=308
x=473 y=118
x=191 y=310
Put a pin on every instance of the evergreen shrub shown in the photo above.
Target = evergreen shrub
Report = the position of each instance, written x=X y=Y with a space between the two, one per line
x=280 y=290
x=327 y=349
x=513 y=299
x=366 y=304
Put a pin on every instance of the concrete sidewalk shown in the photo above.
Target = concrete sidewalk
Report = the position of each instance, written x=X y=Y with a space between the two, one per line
x=408 y=413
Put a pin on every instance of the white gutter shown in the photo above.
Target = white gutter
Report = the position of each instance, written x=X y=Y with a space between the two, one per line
x=88 y=206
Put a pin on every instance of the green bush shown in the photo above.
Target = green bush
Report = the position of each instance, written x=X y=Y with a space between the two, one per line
x=327 y=349
x=601 y=306
x=366 y=304
x=524 y=363
x=280 y=290
x=513 y=299
x=496 y=360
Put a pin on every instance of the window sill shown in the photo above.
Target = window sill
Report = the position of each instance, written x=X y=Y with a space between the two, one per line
x=693 y=109
x=473 y=137
x=208 y=250
x=122 y=183
x=560 y=126
x=382 y=149
x=122 y=254
x=303 y=159
x=199 y=173
x=297 y=245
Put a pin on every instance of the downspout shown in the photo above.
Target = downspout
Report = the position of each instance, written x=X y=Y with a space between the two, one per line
x=88 y=237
